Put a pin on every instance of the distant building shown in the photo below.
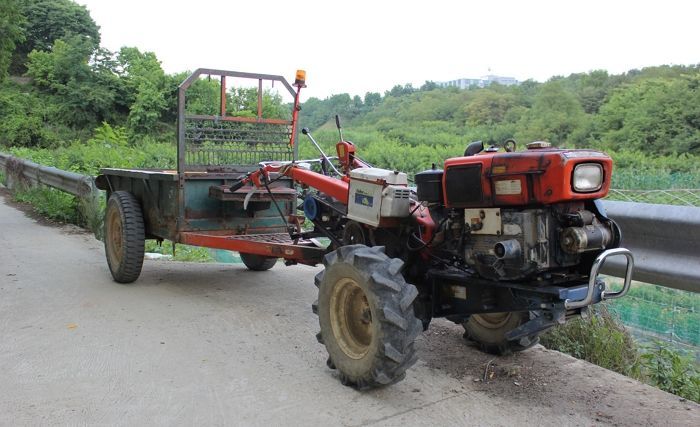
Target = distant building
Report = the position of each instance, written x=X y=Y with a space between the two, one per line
x=482 y=82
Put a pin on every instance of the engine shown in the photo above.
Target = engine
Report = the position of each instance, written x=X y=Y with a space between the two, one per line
x=521 y=216
x=509 y=244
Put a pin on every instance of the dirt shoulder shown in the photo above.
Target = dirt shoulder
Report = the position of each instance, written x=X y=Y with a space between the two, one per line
x=542 y=377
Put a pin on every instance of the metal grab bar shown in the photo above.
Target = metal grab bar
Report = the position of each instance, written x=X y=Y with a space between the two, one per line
x=597 y=264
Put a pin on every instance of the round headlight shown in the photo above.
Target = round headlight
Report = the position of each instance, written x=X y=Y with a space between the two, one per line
x=588 y=177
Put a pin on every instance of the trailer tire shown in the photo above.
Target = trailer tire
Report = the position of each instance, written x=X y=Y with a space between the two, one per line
x=258 y=262
x=487 y=332
x=365 y=310
x=124 y=236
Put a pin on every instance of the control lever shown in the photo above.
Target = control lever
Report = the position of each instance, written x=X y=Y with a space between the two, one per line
x=306 y=132
x=340 y=129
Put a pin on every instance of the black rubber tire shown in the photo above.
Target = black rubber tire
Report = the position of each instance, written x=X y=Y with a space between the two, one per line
x=124 y=236
x=492 y=339
x=258 y=262
x=392 y=324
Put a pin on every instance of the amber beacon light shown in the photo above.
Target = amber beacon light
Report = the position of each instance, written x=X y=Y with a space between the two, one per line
x=300 y=79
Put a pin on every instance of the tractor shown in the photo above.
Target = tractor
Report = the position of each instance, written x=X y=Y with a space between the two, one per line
x=505 y=242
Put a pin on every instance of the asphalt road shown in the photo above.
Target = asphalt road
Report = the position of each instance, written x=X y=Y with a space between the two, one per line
x=215 y=344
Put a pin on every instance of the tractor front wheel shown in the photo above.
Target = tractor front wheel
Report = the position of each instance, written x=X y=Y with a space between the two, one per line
x=488 y=332
x=365 y=310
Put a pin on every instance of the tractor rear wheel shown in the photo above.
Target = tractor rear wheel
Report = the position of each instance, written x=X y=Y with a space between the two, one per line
x=488 y=331
x=124 y=236
x=365 y=310
x=258 y=262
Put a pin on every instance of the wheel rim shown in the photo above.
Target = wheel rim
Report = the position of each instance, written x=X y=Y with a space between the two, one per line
x=492 y=320
x=351 y=318
x=114 y=237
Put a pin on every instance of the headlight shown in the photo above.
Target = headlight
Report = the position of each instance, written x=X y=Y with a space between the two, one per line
x=588 y=177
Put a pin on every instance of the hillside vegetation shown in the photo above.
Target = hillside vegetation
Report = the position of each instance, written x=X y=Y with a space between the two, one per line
x=68 y=102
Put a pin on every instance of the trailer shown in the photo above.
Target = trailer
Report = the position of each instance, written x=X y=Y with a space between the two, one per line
x=193 y=204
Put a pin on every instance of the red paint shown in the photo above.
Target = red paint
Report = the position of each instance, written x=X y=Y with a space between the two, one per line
x=545 y=176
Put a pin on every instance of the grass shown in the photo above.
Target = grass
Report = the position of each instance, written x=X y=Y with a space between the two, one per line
x=50 y=203
x=180 y=252
x=600 y=340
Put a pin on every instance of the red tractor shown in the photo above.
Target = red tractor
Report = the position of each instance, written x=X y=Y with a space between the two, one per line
x=507 y=243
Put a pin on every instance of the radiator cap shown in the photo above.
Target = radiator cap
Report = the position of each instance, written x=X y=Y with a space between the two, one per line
x=538 y=144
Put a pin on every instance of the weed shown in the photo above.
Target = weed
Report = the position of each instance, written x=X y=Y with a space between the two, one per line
x=181 y=252
x=600 y=340
x=50 y=203
x=669 y=371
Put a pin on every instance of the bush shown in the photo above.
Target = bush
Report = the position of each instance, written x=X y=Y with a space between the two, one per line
x=600 y=340
x=669 y=371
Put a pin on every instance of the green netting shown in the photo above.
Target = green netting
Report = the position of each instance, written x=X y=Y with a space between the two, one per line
x=667 y=314
x=682 y=197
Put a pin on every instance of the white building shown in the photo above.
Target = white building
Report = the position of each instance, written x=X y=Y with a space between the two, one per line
x=481 y=83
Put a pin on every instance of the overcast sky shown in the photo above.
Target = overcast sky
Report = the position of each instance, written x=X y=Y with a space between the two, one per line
x=359 y=46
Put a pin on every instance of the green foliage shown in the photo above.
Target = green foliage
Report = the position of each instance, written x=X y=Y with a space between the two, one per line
x=183 y=253
x=50 y=20
x=11 y=33
x=653 y=115
x=669 y=371
x=556 y=116
x=50 y=203
x=83 y=92
x=147 y=89
x=108 y=147
x=25 y=118
x=600 y=340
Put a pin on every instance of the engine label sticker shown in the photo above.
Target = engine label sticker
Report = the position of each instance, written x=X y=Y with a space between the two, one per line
x=508 y=187
x=363 y=199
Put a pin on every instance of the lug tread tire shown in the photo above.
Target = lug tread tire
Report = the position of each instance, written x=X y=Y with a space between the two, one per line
x=133 y=237
x=394 y=347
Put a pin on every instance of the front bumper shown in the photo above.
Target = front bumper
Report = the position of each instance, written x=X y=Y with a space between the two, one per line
x=570 y=304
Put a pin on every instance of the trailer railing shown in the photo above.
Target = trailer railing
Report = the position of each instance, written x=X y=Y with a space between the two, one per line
x=665 y=239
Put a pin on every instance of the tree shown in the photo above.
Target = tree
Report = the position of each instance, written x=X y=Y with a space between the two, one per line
x=372 y=99
x=66 y=74
x=11 y=33
x=428 y=85
x=146 y=88
x=488 y=107
x=556 y=116
x=658 y=115
x=51 y=20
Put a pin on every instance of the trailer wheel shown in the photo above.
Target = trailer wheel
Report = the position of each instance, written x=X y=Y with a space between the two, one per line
x=488 y=331
x=258 y=262
x=365 y=310
x=124 y=237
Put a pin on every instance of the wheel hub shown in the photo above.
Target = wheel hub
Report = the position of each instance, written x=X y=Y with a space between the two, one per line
x=114 y=236
x=351 y=318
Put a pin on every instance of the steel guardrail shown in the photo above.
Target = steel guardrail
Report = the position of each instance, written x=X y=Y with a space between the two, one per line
x=665 y=239
x=18 y=171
